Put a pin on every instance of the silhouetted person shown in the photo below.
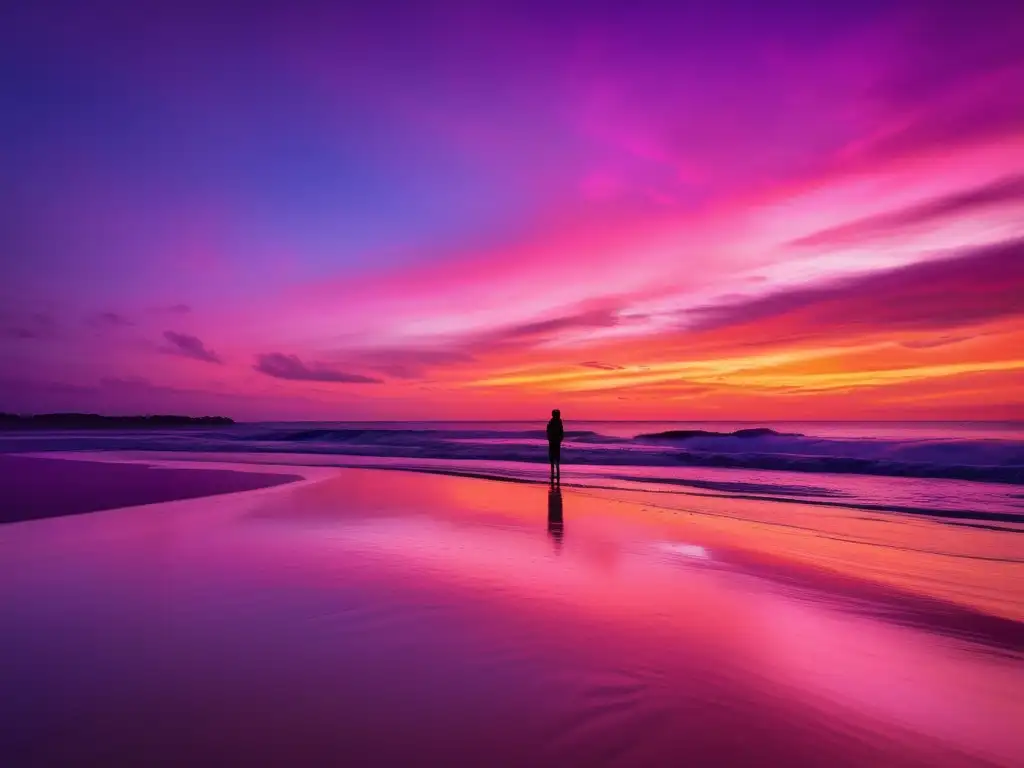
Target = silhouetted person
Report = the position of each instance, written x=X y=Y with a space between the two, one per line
x=555 y=434
x=555 y=525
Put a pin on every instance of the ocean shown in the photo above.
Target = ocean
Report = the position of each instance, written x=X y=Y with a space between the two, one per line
x=964 y=473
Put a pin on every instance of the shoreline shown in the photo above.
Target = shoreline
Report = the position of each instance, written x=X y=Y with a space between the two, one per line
x=590 y=477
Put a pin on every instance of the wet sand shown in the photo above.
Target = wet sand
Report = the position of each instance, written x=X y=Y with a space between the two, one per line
x=34 y=488
x=393 y=618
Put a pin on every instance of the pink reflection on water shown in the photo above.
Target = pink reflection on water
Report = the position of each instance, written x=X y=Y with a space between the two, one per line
x=411 y=618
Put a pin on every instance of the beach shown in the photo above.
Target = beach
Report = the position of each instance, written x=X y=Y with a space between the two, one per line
x=324 y=615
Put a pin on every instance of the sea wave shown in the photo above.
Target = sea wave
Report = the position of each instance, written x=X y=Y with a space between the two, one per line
x=983 y=460
x=757 y=448
x=375 y=436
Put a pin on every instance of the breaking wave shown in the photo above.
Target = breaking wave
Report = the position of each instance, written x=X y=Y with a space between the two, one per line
x=761 y=448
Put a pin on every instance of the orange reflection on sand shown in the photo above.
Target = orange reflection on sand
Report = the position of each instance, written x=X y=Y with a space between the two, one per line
x=964 y=566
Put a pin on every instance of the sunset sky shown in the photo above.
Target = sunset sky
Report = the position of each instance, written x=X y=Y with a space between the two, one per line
x=482 y=210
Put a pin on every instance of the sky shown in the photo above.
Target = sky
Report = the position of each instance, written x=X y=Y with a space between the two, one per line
x=465 y=210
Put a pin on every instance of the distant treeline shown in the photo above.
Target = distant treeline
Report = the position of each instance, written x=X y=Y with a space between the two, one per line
x=95 y=421
x=686 y=434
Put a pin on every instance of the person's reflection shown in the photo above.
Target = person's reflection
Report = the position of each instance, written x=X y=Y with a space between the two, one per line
x=555 y=525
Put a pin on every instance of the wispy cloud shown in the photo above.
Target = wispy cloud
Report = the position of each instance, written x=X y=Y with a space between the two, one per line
x=109 y=320
x=934 y=343
x=282 y=366
x=189 y=346
x=408 y=363
x=597 y=318
x=170 y=309
x=1006 y=190
x=37 y=325
x=977 y=286
x=18 y=332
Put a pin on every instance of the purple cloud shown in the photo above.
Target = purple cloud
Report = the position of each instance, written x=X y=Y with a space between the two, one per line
x=290 y=367
x=601 y=366
x=597 y=318
x=189 y=346
x=36 y=326
x=109 y=320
